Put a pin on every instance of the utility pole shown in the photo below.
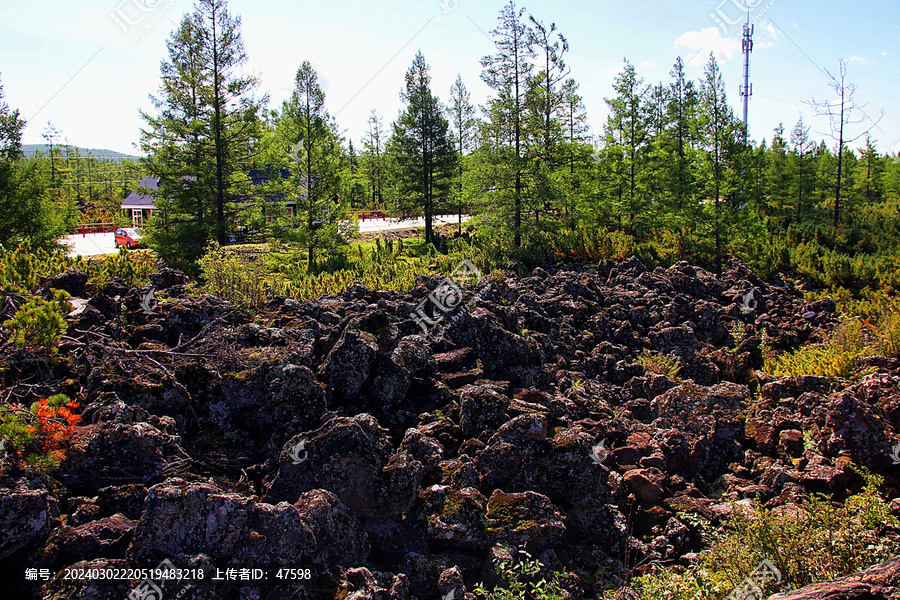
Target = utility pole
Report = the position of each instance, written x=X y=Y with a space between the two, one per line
x=747 y=88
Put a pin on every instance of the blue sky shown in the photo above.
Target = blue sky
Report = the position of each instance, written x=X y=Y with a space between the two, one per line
x=74 y=64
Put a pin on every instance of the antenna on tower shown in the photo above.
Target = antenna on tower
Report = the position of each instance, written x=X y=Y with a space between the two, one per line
x=747 y=87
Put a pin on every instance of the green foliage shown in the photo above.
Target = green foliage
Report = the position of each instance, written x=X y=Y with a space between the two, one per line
x=424 y=157
x=522 y=580
x=40 y=322
x=202 y=136
x=249 y=275
x=39 y=431
x=28 y=210
x=837 y=356
x=308 y=145
x=821 y=540
x=22 y=269
x=132 y=267
x=656 y=362
x=238 y=277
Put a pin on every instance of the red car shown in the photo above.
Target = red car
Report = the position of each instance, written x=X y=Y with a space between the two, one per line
x=130 y=237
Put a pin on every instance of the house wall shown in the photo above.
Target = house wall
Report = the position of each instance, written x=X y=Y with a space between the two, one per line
x=140 y=216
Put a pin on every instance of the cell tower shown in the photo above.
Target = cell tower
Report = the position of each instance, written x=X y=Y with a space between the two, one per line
x=747 y=88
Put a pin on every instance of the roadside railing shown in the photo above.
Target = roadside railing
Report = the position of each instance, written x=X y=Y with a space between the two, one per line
x=86 y=228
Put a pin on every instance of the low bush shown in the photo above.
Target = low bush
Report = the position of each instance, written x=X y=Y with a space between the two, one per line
x=38 y=433
x=522 y=579
x=656 y=362
x=39 y=322
x=819 y=541
x=855 y=337
x=22 y=269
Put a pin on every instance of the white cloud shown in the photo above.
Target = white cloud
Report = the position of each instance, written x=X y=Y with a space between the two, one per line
x=710 y=40
x=862 y=59
x=649 y=64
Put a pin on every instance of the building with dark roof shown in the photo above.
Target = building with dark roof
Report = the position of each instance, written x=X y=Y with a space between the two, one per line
x=138 y=206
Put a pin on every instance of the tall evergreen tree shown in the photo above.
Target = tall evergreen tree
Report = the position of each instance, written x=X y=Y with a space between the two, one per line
x=353 y=183
x=777 y=171
x=717 y=129
x=204 y=134
x=626 y=132
x=26 y=210
x=544 y=100
x=464 y=127
x=578 y=151
x=868 y=172
x=313 y=145
x=374 y=160
x=682 y=113
x=508 y=72
x=421 y=147
x=800 y=161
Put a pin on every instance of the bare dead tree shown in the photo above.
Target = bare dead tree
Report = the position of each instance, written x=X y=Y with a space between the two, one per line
x=843 y=113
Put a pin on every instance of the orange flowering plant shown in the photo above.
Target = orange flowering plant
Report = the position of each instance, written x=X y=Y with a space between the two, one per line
x=44 y=427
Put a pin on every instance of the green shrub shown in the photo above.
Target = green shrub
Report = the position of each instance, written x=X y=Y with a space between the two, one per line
x=854 y=338
x=240 y=279
x=822 y=540
x=522 y=580
x=40 y=322
x=656 y=362
x=22 y=269
x=132 y=267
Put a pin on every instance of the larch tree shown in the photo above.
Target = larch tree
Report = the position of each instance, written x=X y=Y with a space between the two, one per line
x=545 y=100
x=313 y=146
x=682 y=113
x=627 y=136
x=508 y=73
x=800 y=161
x=463 y=130
x=374 y=159
x=575 y=171
x=421 y=147
x=718 y=134
x=843 y=114
x=204 y=133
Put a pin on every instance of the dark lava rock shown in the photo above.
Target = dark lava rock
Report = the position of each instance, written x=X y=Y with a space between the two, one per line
x=352 y=458
x=26 y=516
x=72 y=281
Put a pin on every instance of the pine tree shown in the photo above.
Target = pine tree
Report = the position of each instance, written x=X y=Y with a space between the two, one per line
x=718 y=135
x=544 y=101
x=868 y=172
x=26 y=210
x=421 y=147
x=312 y=142
x=204 y=134
x=374 y=159
x=463 y=126
x=508 y=72
x=577 y=149
x=353 y=183
x=801 y=165
x=682 y=114
x=627 y=135
x=777 y=171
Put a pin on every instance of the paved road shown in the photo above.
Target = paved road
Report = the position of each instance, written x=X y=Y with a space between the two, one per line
x=370 y=225
x=90 y=244
x=93 y=244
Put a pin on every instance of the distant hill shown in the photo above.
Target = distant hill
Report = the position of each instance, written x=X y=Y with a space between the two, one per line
x=31 y=149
